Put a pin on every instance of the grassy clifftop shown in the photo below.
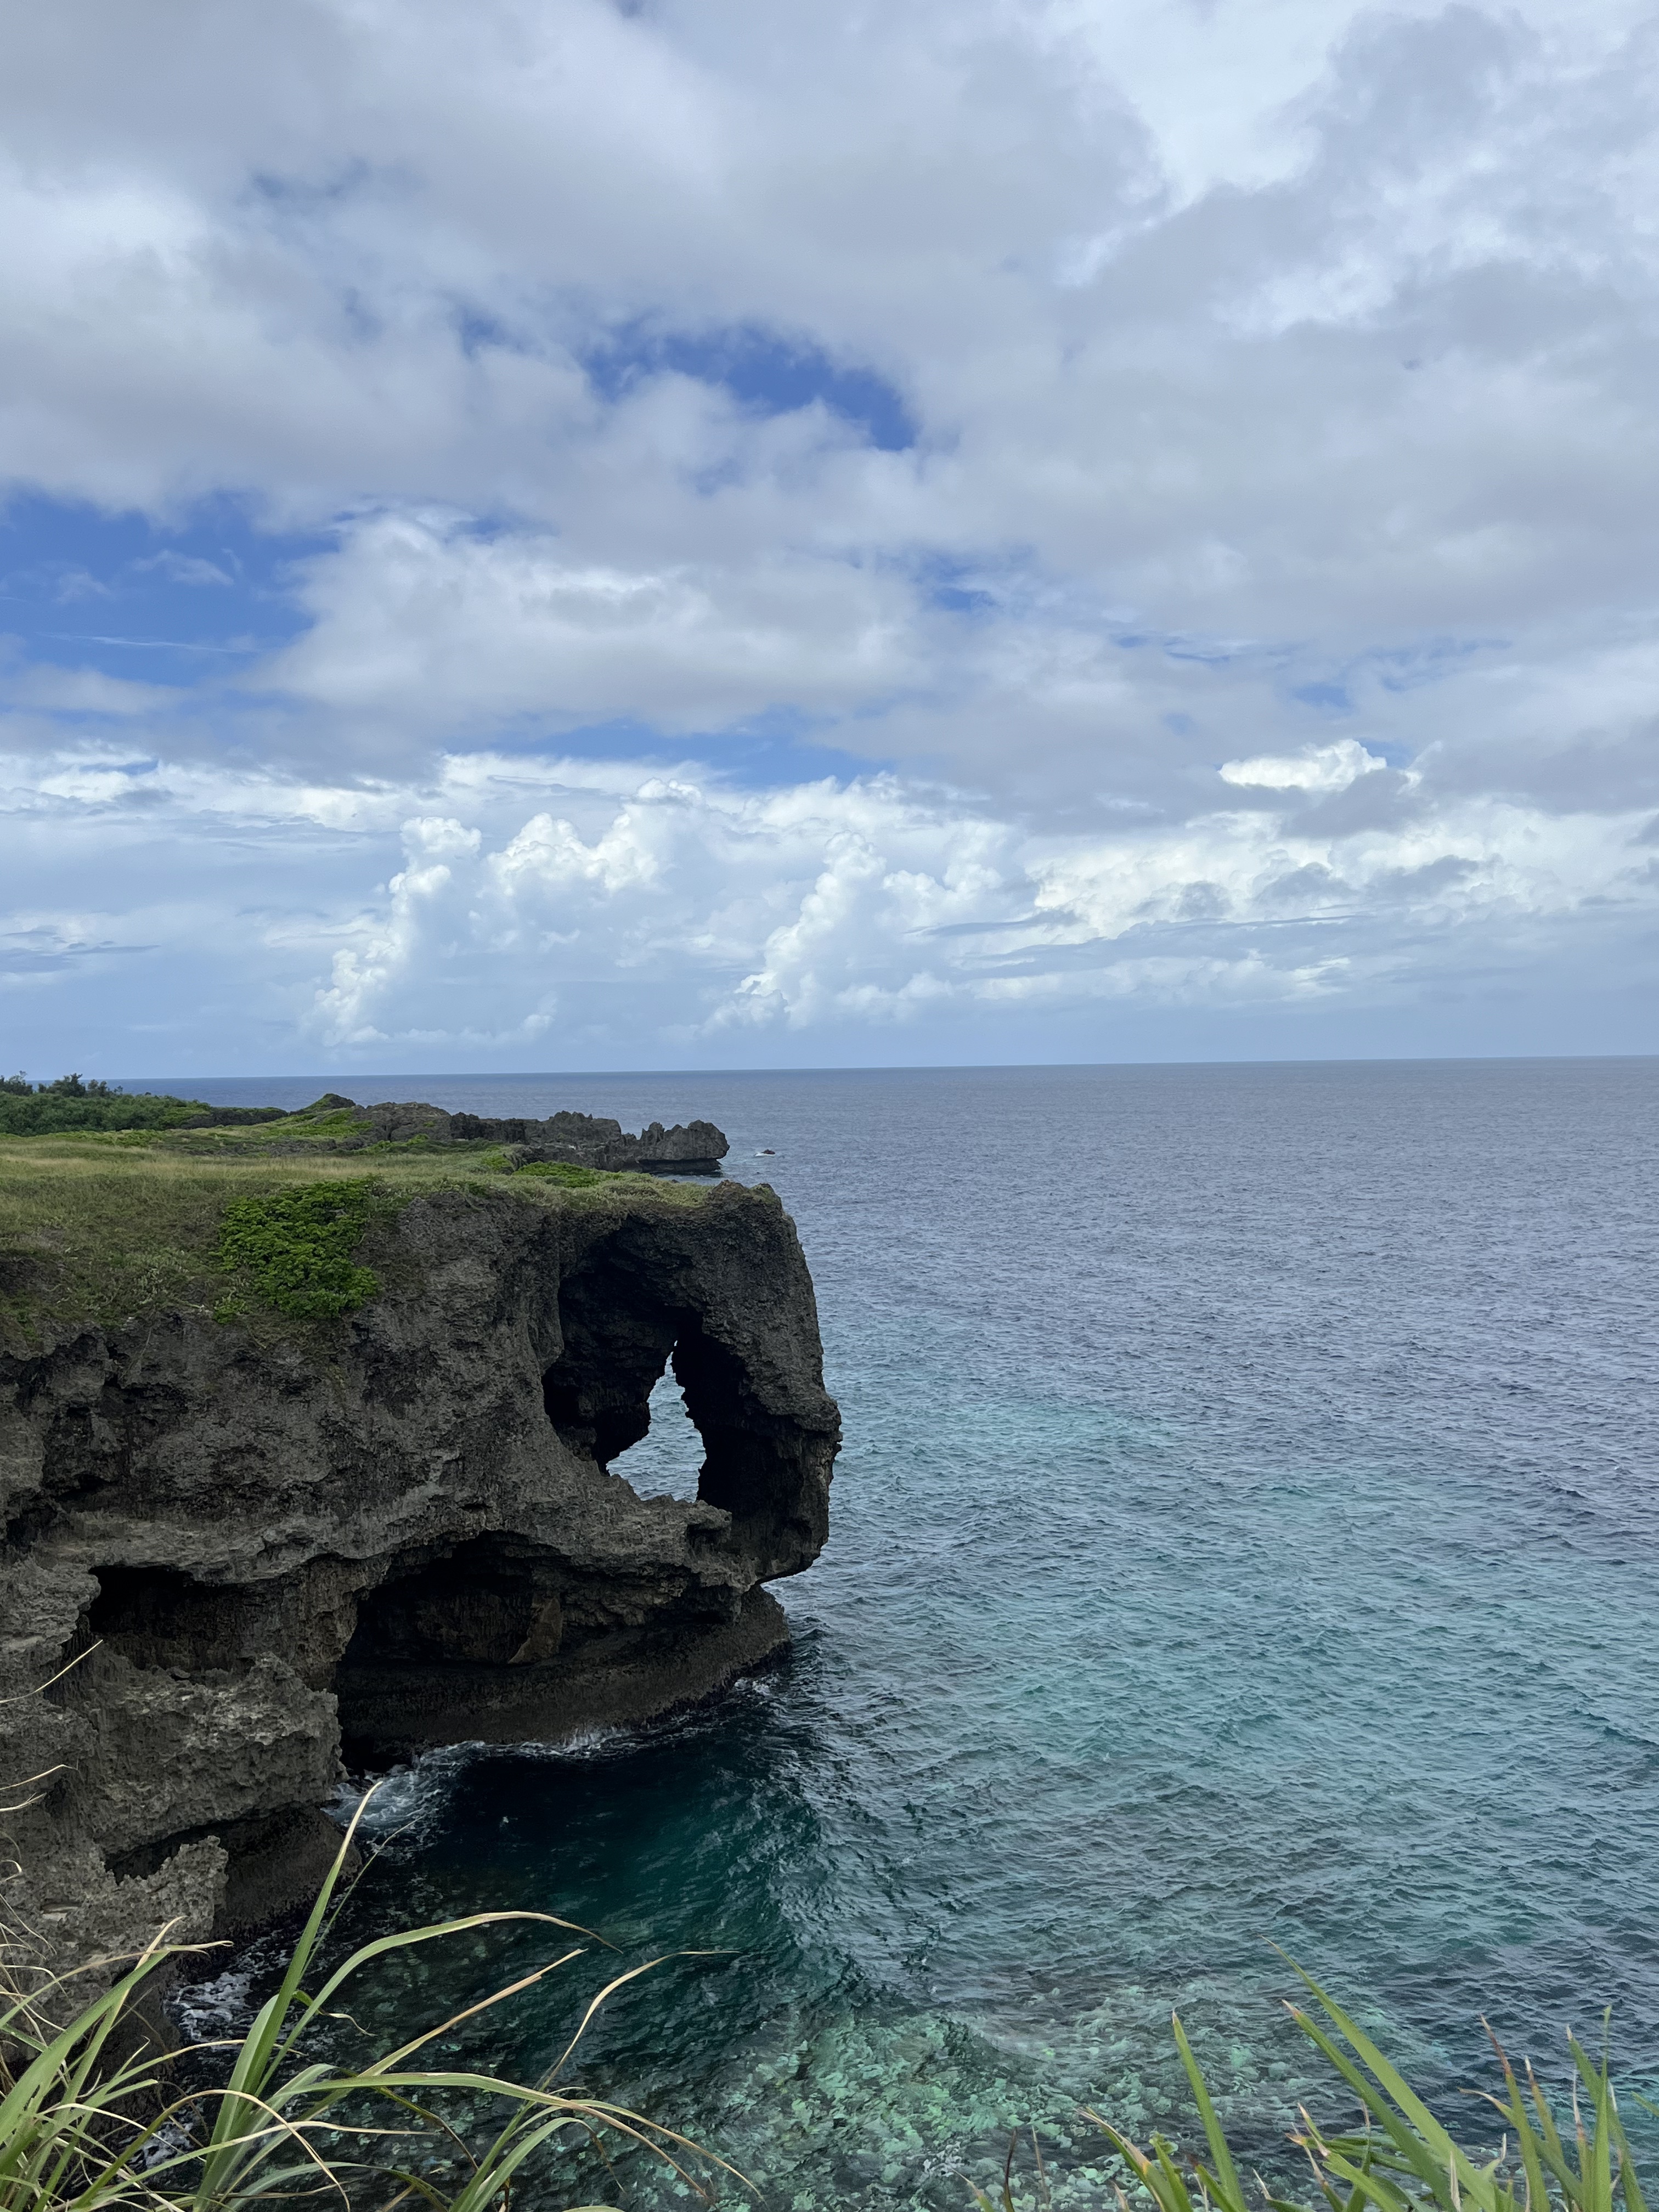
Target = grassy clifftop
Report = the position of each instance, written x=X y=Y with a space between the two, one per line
x=108 y=1225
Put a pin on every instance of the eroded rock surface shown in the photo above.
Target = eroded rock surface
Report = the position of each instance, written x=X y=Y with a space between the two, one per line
x=399 y=1530
x=586 y=1140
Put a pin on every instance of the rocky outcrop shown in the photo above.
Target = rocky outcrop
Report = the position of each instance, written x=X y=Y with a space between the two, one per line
x=257 y=1551
x=585 y=1140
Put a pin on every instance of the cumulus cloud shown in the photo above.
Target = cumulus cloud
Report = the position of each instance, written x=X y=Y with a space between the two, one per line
x=1187 y=474
x=616 y=914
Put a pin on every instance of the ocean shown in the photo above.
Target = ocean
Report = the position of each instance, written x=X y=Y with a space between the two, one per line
x=1242 y=1553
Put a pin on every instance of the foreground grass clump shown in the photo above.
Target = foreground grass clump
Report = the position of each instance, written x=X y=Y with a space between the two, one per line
x=89 y=2123
x=1400 y=2158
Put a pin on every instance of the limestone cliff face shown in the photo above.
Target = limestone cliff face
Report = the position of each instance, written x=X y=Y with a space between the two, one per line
x=395 y=1531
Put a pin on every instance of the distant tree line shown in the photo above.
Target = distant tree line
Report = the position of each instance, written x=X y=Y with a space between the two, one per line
x=66 y=1086
x=71 y=1103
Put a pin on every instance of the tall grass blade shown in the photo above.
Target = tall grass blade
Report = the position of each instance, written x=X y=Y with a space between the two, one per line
x=74 y=2139
x=1227 y=2190
x=1411 y=2163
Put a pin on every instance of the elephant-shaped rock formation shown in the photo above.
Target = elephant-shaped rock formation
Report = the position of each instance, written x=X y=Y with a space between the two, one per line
x=257 y=1551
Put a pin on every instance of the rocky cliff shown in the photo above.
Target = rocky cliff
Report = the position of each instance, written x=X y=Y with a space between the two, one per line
x=263 y=1546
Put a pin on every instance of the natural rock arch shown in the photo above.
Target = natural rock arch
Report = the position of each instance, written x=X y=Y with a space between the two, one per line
x=401 y=1533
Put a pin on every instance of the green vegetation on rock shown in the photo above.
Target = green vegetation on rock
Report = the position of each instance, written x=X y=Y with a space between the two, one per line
x=568 y=1175
x=298 y=1244
x=108 y=1226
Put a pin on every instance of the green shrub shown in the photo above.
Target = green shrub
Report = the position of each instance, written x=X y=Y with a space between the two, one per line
x=325 y=1121
x=53 y=1110
x=297 y=1244
x=566 y=1174
x=44 y=1114
x=89 y=2123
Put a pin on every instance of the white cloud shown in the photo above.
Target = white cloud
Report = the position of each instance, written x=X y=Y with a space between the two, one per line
x=1280 y=379
x=80 y=691
x=594 y=914
x=185 y=568
x=420 y=620
x=1315 y=318
x=1320 y=768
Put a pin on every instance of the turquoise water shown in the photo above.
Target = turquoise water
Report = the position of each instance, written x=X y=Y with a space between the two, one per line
x=1245 y=1536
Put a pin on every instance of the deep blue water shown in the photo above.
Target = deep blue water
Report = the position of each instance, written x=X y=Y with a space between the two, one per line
x=1245 y=1536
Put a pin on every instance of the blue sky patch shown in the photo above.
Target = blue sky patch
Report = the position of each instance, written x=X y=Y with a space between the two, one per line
x=764 y=372
x=1332 y=698
x=955 y=586
x=149 y=602
x=781 y=747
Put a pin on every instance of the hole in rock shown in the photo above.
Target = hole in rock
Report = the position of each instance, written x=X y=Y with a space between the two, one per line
x=667 y=1460
x=626 y=1321
x=158 y=1617
x=482 y=1604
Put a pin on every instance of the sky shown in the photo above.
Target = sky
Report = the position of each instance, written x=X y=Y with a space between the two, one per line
x=570 y=534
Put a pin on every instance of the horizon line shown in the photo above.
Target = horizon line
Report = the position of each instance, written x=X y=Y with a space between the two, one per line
x=886 y=1068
